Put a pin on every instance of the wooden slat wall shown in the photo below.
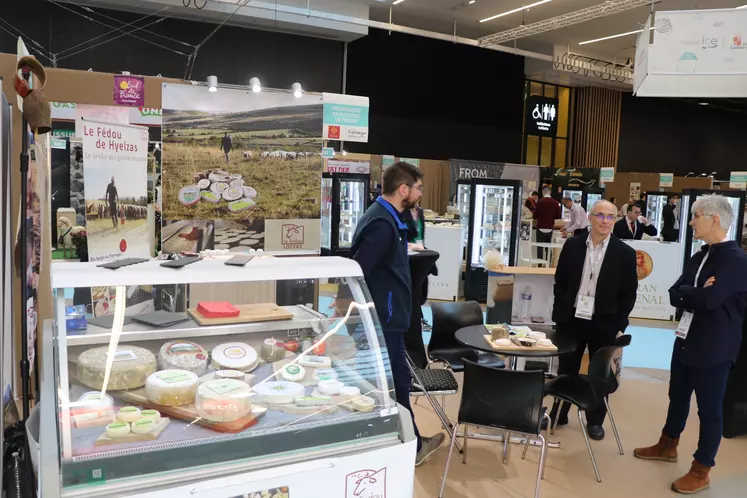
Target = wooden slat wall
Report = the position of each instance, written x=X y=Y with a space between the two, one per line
x=596 y=137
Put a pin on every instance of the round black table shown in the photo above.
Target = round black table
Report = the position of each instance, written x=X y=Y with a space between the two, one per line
x=474 y=337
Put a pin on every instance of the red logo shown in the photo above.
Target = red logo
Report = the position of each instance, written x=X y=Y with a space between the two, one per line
x=366 y=484
x=737 y=41
x=122 y=245
x=292 y=236
x=333 y=131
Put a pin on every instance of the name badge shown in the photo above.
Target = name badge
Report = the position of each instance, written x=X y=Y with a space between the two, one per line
x=684 y=326
x=585 y=307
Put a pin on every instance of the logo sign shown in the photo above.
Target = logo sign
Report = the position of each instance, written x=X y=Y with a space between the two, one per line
x=328 y=152
x=63 y=133
x=644 y=264
x=707 y=42
x=345 y=117
x=666 y=179
x=738 y=179
x=366 y=484
x=387 y=161
x=348 y=167
x=56 y=143
x=606 y=175
x=541 y=116
x=291 y=236
x=410 y=160
x=129 y=90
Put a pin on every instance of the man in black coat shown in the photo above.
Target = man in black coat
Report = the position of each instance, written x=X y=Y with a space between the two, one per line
x=670 y=229
x=633 y=225
x=595 y=291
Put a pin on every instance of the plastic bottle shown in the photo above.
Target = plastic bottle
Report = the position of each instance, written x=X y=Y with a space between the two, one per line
x=526 y=303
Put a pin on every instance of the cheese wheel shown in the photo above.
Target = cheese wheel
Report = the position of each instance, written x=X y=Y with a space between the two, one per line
x=293 y=373
x=154 y=415
x=171 y=387
x=223 y=400
x=93 y=402
x=203 y=184
x=235 y=356
x=325 y=374
x=117 y=429
x=230 y=374
x=128 y=414
x=363 y=403
x=349 y=391
x=279 y=392
x=183 y=355
x=237 y=183
x=131 y=367
x=189 y=195
x=330 y=387
x=249 y=192
x=144 y=426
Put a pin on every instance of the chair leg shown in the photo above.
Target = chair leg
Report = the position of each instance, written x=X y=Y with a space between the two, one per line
x=614 y=427
x=547 y=440
x=506 y=445
x=417 y=398
x=448 y=460
x=588 y=444
x=541 y=469
x=526 y=447
x=464 y=445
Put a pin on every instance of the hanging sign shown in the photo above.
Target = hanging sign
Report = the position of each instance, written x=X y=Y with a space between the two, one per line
x=129 y=90
x=410 y=160
x=541 y=116
x=666 y=179
x=606 y=175
x=387 y=161
x=738 y=179
x=56 y=143
x=356 y=167
x=328 y=152
x=345 y=118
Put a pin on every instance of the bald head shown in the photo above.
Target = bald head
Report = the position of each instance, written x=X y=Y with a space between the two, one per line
x=604 y=206
x=602 y=218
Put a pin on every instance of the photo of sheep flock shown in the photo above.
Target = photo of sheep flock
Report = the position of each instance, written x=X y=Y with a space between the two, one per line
x=242 y=166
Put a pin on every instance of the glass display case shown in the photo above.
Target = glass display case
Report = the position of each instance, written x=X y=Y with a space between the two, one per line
x=495 y=212
x=655 y=202
x=146 y=404
x=348 y=194
x=592 y=195
x=464 y=194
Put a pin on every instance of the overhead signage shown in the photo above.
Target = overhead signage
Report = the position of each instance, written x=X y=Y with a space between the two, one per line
x=387 y=161
x=63 y=133
x=56 y=143
x=345 y=118
x=410 y=160
x=357 y=167
x=738 y=179
x=148 y=116
x=129 y=90
x=328 y=152
x=666 y=180
x=606 y=175
x=541 y=116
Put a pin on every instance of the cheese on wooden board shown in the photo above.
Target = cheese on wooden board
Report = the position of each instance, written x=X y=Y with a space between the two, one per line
x=223 y=400
x=279 y=392
x=183 y=355
x=128 y=414
x=144 y=426
x=154 y=415
x=131 y=367
x=171 y=387
x=235 y=356
x=293 y=373
x=117 y=429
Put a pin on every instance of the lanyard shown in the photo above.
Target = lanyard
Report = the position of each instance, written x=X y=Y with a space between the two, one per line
x=593 y=265
x=697 y=275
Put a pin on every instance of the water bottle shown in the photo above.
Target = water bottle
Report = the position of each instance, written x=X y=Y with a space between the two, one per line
x=526 y=303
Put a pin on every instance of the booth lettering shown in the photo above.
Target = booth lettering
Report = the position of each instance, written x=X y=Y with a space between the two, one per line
x=648 y=294
x=472 y=173
x=109 y=139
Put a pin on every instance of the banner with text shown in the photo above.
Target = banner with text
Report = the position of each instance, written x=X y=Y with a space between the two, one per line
x=465 y=170
x=357 y=167
x=115 y=181
x=666 y=180
x=345 y=117
x=657 y=268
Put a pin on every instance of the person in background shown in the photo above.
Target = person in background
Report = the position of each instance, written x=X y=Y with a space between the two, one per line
x=633 y=226
x=595 y=291
x=532 y=201
x=670 y=230
x=624 y=208
x=613 y=201
x=713 y=292
x=112 y=198
x=226 y=145
x=545 y=213
x=579 y=220
x=415 y=226
x=380 y=248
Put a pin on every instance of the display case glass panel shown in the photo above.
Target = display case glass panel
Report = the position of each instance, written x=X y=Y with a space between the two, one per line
x=493 y=222
x=591 y=199
x=157 y=393
x=352 y=206
x=327 y=198
x=655 y=209
x=464 y=192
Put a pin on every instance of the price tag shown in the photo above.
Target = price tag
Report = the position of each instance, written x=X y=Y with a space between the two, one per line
x=585 y=307
x=684 y=326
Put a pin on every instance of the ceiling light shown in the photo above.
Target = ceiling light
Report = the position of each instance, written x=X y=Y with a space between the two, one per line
x=297 y=90
x=704 y=103
x=255 y=85
x=743 y=6
x=515 y=10
x=397 y=2
x=473 y=1
x=212 y=83
x=612 y=36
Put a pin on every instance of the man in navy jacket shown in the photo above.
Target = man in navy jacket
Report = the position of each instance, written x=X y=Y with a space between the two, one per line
x=380 y=248
x=713 y=292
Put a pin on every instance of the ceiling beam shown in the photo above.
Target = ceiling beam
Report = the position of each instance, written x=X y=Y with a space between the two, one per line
x=590 y=13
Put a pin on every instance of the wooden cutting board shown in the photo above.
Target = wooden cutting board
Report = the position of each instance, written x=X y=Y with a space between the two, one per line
x=189 y=413
x=261 y=312
x=516 y=347
x=132 y=437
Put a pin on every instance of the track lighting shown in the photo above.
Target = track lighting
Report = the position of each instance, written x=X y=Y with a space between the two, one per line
x=212 y=83
x=255 y=85
x=297 y=90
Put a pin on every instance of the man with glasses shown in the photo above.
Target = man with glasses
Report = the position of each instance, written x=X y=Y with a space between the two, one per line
x=380 y=248
x=633 y=226
x=595 y=291
x=712 y=291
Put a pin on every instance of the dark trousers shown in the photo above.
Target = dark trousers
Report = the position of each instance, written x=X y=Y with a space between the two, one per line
x=395 y=345
x=543 y=237
x=591 y=334
x=709 y=384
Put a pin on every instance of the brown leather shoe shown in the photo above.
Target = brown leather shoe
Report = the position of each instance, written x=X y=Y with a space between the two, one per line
x=694 y=481
x=665 y=450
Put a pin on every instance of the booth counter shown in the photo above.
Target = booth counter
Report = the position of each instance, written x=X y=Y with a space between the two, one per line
x=446 y=240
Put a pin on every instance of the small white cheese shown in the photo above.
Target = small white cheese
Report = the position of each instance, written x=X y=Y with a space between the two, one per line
x=235 y=356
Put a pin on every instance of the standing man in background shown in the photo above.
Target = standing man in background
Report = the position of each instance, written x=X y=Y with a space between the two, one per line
x=633 y=226
x=545 y=213
x=579 y=223
x=531 y=201
x=226 y=145
x=713 y=292
x=380 y=248
x=670 y=230
x=112 y=198
x=595 y=291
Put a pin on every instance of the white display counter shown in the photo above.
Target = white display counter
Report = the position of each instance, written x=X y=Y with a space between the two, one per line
x=447 y=241
x=658 y=267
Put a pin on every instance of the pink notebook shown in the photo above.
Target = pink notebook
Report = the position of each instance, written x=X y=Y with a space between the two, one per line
x=217 y=310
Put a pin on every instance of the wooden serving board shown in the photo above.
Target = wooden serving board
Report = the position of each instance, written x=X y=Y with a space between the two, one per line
x=516 y=347
x=189 y=413
x=132 y=437
x=248 y=313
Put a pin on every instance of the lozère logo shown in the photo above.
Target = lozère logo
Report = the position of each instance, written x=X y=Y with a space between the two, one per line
x=292 y=236
x=333 y=131
x=367 y=483
x=737 y=43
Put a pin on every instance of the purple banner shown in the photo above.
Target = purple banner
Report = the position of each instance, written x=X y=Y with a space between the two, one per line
x=129 y=91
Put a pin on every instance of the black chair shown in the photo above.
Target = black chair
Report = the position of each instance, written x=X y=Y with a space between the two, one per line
x=502 y=399
x=443 y=346
x=587 y=392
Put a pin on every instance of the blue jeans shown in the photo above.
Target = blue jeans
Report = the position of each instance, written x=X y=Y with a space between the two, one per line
x=709 y=384
x=395 y=345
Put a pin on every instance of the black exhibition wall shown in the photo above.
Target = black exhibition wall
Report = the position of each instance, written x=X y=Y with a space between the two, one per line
x=433 y=99
x=234 y=54
x=675 y=136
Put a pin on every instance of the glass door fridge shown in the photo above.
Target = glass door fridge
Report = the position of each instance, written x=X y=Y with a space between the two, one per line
x=348 y=201
x=689 y=196
x=576 y=195
x=464 y=194
x=495 y=212
x=654 y=210
x=592 y=195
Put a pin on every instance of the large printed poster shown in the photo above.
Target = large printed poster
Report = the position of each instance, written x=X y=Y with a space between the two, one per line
x=658 y=266
x=115 y=178
x=250 y=160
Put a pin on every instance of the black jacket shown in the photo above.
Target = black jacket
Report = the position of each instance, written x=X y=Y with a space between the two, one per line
x=667 y=229
x=616 y=290
x=380 y=248
x=718 y=311
x=622 y=230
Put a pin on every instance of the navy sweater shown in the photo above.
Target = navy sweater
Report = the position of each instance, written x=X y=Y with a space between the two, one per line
x=380 y=248
x=715 y=333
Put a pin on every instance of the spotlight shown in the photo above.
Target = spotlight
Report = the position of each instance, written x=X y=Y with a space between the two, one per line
x=297 y=90
x=255 y=85
x=212 y=83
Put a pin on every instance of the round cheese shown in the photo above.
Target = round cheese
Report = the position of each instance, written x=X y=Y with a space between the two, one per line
x=279 y=392
x=223 y=400
x=325 y=374
x=363 y=403
x=154 y=415
x=293 y=373
x=350 y=391
x=237 y=183
x=330 y=387
x=230 y=374
x=93 y=402
x=249 y=192
x=189 y=195
x=235 y=356
x=183 y=355
x=144 y=426
x=203 y=184
x=128 y=414
x=131 y=367
x=171 y=387
x=117 y=429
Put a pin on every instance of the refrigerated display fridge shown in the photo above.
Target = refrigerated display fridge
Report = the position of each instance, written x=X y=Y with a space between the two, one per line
x=592 y=195
x=494 y=215
x=689 y=196
x=655 y=202
x=344 y=200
